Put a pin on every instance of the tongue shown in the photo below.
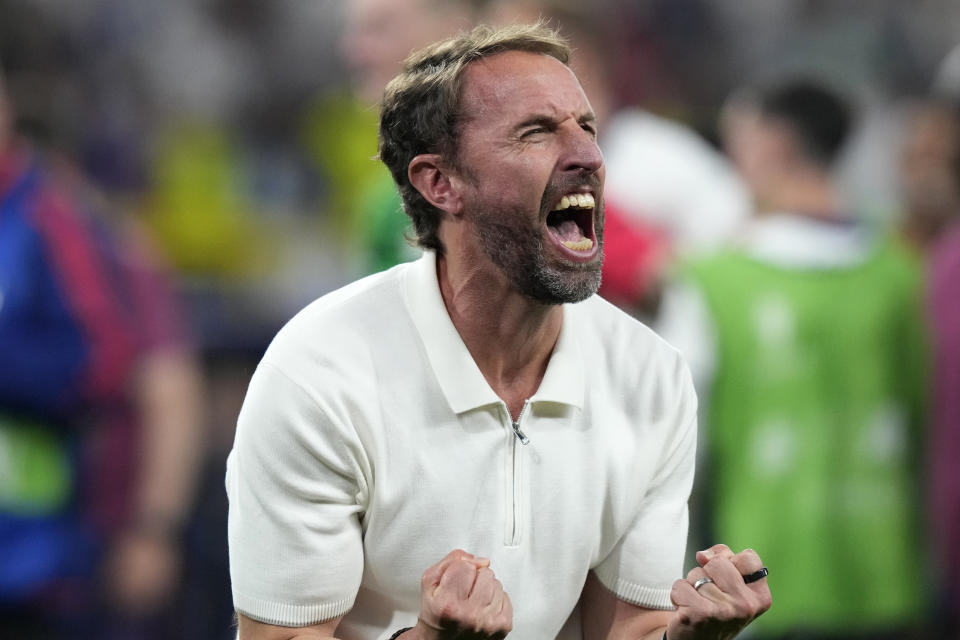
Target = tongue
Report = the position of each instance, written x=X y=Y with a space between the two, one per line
x=568 y=231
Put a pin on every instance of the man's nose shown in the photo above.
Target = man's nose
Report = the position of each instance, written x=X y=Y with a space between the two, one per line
x=582 y=151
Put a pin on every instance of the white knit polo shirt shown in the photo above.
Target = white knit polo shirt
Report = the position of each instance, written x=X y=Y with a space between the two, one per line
x=369 y=446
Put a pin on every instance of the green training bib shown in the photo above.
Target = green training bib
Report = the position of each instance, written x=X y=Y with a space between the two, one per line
x=34 y=468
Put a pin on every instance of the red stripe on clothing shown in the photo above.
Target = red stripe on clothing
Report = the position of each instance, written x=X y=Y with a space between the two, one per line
x=77 y=259
x=13 y=164
x=158 y=314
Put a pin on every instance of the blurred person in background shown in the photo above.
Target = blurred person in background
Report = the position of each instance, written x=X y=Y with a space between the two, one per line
x=342 y=129
x=379 y=35
x=929 y=176
x=929 y=155
x=942 y=246
x=945 y=438
x=808 y=349
x=668 y=176
x=99 y=412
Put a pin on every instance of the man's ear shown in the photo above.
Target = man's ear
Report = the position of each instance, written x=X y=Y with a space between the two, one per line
x=436 y=183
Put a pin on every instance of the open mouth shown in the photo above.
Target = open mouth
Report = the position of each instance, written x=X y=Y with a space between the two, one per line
x=571 y=222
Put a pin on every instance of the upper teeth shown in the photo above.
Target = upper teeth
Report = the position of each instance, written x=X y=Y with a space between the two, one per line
x=578 y=200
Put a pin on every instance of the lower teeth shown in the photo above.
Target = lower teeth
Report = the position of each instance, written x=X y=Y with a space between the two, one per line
x=578 y=245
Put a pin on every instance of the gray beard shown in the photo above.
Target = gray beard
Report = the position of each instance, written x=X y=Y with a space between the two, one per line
x=517 y=249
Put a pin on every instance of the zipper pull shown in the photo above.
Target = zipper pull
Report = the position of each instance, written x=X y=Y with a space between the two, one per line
x=516 y=429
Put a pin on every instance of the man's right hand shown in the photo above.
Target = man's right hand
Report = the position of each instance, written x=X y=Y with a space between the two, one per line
x=460 y=598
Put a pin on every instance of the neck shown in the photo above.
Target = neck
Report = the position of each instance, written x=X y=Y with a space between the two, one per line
x=509 y=336
x=807 y=193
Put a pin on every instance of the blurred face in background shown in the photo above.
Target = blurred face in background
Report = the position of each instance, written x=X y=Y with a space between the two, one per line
x=380 y=34
x=928 y=162
x=759 y=147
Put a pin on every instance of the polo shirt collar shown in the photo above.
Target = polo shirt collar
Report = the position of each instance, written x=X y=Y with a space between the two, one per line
x=458 y=375
x=793 y=241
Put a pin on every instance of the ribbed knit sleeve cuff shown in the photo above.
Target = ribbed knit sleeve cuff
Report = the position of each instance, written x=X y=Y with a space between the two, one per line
x=289 y=615
x=634 y=593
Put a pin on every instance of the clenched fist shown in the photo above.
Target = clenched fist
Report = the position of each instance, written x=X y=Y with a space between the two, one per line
x=460 y=598
x=714 y=601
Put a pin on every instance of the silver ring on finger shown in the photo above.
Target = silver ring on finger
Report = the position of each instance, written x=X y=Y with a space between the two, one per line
x=699 y=583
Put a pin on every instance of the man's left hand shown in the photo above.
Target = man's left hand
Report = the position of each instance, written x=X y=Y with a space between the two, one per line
x=722 y=605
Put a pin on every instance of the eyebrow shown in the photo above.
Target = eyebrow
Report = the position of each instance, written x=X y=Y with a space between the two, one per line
x=544 y=120
x=538 y=120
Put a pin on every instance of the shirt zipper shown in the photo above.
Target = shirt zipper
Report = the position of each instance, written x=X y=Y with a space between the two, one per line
x=520 y=435
x=514 y=476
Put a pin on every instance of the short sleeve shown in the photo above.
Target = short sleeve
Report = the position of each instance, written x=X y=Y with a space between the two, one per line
x=296 y=487
x=645 y=562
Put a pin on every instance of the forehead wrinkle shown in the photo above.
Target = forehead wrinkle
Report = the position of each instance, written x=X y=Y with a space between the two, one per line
x=487 y=89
